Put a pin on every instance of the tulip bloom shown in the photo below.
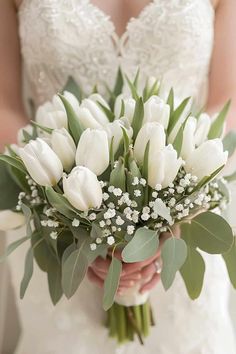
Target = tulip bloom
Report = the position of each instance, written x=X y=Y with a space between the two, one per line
x=10 y=220
x=90 y=114
x=41 y=162
x=129 y=107
x=93 y=150
x=114 y=130
x=163 y=167
x=206 y=159
x=156 y=110
x=82 y=189
x=63 y=145
x=153 y=132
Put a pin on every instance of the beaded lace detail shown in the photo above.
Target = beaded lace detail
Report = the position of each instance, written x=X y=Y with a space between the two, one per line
x=170 y=39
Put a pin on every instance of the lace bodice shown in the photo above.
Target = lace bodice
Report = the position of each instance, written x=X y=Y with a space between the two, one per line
x=170 y=39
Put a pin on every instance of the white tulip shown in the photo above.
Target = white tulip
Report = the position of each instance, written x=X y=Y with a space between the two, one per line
x=206 y=159
x=114 y=130
x=82 y=189
x=153 y=132
x=63 y=145
x=156 y=110
x=95 y=97
x=10 y=220
x=20 y=136
x=129 y=107
x=71 y=99
x=203 y=128
x=93 y=150
x=188 y=143
x=92 y=114
x=163 y=167
x=41 y=162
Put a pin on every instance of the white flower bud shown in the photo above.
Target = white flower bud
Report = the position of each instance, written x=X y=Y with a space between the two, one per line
x=63 y=145
x=156 y=110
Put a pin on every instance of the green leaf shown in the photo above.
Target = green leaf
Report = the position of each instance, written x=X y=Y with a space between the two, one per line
x=230 y=261
x=54 y=280
x=211 y=233
x=126 y=140
x=132 y=88
x=177 y=114
x=13 y=161
x=143 y=245
x=117 y=177
x=29 y=267
x=73 y=88
x=101 y=251
x=42 y=252
x=111 y=283
x=11 y=248
x=177 y=144
x=73 y=271
x=9 y=189
x=28 y=215
x=229 y=142
x=193 y=272
x=170 y=101
x=207 y=179
x=68 y=252
x=138 y=117
x=18 y=177
x=60 y=203
x=75 y=128
x=173 y=254
x=117 y=89
x=110 y=115
x=41 y=127
x=218 y=124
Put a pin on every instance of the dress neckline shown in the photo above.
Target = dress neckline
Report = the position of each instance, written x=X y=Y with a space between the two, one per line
x=120 y=37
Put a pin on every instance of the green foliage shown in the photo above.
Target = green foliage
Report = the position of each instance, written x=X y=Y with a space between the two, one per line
x=54 y=279
x=138 y=117
x=174 y=253
x=74 y=125
x=192 y=272
x=111 y=283
x=229 y=142
x=117 y=89
x=9 y=189
x=211 y=233
x=143 y=245
x=60 y=203
x=230 y=261
x=176 y=115
x=218 y=124
x=73 y=88
x=117 y=177
x=28 y=272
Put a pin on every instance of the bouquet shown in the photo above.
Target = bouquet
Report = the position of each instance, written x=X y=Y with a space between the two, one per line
x=90 y=176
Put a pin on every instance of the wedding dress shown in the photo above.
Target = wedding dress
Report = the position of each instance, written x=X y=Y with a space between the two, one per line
x=172 y=40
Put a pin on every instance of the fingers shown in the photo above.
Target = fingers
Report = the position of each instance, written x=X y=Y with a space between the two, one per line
x=149 y=285
x=102 y=264
x=129 y=268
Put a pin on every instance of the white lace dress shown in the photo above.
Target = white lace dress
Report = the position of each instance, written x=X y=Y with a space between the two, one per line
x=170 y=39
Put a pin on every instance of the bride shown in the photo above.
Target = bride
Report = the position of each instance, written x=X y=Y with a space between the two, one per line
x=190 y=45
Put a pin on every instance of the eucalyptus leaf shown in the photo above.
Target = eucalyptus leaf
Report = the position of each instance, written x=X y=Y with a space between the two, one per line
x=54 y=280
x=73 y=271
x=42 y=252
x=111 y=283
x=12 y=247
x=174 y=253
x=68 y=252
x=211 y=233
x=143 y=245
x=60 y=203
x=29 y=267
x=101 y=251
x=74 y=125
x=230 y=261
x=28 y=216
x=192 y=272
x=9 y=189
x=217 y=126
x=229 y=142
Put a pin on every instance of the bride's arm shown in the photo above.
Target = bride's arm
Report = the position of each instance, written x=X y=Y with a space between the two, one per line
x=12 y=115
x=223 y=66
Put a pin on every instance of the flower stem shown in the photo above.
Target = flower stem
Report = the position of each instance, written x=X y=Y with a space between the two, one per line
x=121 y=323
x=146 y=319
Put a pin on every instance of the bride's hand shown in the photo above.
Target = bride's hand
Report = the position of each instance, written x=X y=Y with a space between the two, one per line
x=146 y=272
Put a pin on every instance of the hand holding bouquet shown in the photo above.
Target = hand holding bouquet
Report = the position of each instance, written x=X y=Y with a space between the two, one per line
x=92 y=178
